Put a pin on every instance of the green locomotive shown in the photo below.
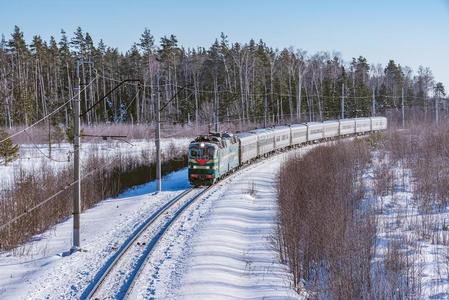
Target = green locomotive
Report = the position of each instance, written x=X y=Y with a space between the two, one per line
x=211 y=157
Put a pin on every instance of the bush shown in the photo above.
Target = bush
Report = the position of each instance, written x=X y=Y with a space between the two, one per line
x=322 y=236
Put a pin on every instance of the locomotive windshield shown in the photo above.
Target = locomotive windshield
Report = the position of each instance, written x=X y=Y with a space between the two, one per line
x=197 y=152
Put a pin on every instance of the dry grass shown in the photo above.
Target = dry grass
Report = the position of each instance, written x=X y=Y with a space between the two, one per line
x=424 y=149
x=31 y=188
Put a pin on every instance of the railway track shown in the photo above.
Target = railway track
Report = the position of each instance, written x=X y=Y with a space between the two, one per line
x=116 y=278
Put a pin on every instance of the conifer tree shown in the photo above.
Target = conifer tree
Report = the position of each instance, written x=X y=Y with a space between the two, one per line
x=8 y=151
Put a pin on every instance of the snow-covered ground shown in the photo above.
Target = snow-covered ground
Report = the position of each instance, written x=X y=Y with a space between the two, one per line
x=220 y=248
x=40 y=269
x=422 y=238
x=31 y=158
x=232 y=254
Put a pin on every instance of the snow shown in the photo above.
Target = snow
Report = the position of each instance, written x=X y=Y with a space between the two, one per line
x=232 y=255
x=40 y=269
x=174 y=181
x=221 y=248
x=423 y=241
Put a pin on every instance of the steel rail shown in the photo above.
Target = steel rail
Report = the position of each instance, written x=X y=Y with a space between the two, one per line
x=127 y=287
x=103 y=273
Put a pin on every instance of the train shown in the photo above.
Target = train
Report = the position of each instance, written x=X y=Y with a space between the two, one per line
x=213 y=156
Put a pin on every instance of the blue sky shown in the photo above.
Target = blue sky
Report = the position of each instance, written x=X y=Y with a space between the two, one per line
x=412 y=32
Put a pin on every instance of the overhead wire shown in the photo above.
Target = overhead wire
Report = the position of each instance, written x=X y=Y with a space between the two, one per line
x=72 y=183
x=40 y=151
x=48 y=115
x=55 y=194
x=62 y=190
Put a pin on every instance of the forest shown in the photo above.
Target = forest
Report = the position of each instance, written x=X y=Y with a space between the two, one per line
x=242 y=82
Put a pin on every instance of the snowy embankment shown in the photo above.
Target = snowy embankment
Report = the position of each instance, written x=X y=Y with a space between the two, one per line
x=222 y=247
x=40 y=269
x=232 y=254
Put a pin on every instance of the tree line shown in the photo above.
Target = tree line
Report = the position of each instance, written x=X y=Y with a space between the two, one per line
x=243 y=82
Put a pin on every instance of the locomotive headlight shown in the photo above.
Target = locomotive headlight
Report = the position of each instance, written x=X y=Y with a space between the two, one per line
x=201 y=167
x=202 y=145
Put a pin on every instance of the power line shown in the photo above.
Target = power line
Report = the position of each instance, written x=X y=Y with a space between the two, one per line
x=69 y=185
x=38 y=149
x=134 y=84
x=56 y=194
x=48 y=115
x=293 y=94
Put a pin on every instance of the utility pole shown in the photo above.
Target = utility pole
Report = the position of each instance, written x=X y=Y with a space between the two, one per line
x=157 y=140
x=403 y=111
x=437 y=103
x=158 y=144
x=265 y=104
x=216 y=107
x=343 y=101
x=76 y=167
x=216 y=113
x=373 y=109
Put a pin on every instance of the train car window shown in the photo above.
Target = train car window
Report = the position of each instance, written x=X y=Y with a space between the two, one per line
x=210 y=152
x=194 y=152
x=207 y=152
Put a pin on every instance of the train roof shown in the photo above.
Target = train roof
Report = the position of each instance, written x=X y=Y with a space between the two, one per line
x=346 y=120
x=281 y=129
x=314 y=124
x=298 y=125
x=262 y=130
x=245 y=134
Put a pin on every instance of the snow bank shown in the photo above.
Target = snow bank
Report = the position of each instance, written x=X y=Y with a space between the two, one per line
x=40 y=269
x=232 y=254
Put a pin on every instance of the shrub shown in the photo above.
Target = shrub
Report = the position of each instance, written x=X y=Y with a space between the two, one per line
x=322 y=236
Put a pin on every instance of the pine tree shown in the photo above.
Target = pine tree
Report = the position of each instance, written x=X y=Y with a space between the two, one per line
x=146 y=42
x=8 y=151
x=78 y=42
x=70 y=135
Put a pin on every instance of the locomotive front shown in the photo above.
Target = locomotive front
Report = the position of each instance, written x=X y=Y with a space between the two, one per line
x=203 y=163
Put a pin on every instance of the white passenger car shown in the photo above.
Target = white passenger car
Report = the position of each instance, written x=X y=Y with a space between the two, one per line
x=281 y=137
x=265 y=140
x=314 y=131
x=330 y=129
x=347 y=126
x=378 y=123
x=362 y=125
x=248 y=146
x=298 y=134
